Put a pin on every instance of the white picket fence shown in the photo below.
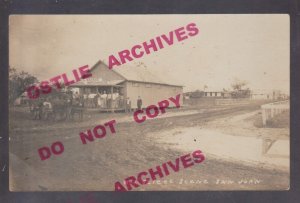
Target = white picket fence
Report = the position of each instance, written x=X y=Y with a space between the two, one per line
x=273 y=109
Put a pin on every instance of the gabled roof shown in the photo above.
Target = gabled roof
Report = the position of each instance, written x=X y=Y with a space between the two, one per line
x=137 y=74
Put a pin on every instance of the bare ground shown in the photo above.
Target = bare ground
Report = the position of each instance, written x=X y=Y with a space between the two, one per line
x=97 y=165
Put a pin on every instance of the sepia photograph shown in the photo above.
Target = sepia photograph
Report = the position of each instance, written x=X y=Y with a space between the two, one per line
x=164 y=102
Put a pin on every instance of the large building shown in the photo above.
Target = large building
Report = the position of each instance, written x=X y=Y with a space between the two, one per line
x=128 y=82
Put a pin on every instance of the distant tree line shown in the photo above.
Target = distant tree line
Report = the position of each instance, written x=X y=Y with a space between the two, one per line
x=18 y=82
x=239 y=89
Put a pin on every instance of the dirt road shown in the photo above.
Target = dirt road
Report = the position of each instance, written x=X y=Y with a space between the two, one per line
x=97 y=165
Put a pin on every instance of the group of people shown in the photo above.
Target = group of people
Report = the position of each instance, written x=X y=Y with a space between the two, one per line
x=108 y=101
x=103 y=100
x=44 y=106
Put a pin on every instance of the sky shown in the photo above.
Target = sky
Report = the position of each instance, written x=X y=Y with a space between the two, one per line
x=250 y=47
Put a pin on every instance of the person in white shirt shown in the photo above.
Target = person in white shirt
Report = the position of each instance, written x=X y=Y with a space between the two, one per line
x=47 y=108
x=104 y=99
x=114 y=100
x=47 y=104
x=109 y=100
x=99 y=100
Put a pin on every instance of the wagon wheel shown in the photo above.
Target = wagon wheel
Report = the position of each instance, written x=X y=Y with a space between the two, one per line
x=32 y=116
x=65 y=116
x=44 y=115
x=51 y=116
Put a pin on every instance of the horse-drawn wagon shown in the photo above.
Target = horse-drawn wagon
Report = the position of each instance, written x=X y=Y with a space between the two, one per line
x=56 y=106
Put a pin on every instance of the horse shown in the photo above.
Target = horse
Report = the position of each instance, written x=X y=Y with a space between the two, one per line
x=60 y=107
x=36 y=108
x=76 y=107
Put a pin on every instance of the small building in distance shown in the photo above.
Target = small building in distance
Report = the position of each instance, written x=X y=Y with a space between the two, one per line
x=216 y=93
x=127 y=81
x=208 y=93
x=264 y=94
x=213 y=93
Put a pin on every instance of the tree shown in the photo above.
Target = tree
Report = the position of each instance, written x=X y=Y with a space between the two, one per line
x=238 y=84
x=197 y=94
x=240 y=89
x=18 y=82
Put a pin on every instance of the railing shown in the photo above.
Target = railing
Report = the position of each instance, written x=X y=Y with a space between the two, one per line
x=105 y=104
x=273 y=109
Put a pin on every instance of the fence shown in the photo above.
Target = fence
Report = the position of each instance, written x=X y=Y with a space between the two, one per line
x=273 y=109
x=202 y=101
x=105 y=103
x=231 y=101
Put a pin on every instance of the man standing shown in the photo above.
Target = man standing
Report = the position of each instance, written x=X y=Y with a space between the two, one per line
x=95 y=100
x=109 y=100
x=139 y=103
x=38 y=109
x=104 y=99
x=47 y=108
x=128 y=105
x=99 y=104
